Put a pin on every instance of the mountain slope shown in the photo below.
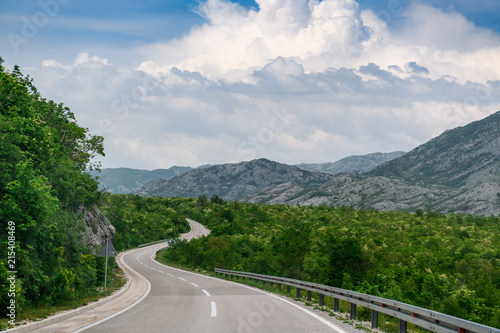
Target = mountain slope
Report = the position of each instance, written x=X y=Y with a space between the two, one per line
x=464 y=156
x=233 y=181
x=363 y=163
x=386 y=194
x=126 y=180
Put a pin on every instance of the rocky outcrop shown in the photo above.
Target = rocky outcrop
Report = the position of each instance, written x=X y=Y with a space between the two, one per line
x=97 y=226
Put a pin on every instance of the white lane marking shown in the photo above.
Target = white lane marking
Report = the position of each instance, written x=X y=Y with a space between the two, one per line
x=194 y=284
x=206 y=292
x=182 y=279
x=161 y=271
x=170 y=274
x=324 y=321
x=214 y=310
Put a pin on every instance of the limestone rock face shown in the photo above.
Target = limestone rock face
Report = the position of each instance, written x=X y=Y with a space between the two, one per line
x=97 y=226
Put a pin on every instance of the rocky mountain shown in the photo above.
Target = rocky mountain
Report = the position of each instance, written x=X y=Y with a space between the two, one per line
x=387 y=194
x=458 y=171
x=363 y=163
x=464 y=156
x=233 y=181
x=125 y=180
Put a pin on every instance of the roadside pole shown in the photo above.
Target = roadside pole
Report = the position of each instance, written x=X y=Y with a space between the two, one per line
x=107 y=250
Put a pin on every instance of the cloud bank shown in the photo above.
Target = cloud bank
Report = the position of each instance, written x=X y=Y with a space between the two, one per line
x=293 y=81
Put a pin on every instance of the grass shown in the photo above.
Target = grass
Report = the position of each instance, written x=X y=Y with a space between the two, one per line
x=116 y=280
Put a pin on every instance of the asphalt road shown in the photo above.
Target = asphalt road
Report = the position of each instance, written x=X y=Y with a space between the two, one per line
x=180 y=301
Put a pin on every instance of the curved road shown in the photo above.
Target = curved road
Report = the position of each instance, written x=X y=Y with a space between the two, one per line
x=180 y=301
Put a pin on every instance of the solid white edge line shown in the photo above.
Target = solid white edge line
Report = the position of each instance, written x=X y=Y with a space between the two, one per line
x=119 y=312
x=324 y=321
x=214 y=310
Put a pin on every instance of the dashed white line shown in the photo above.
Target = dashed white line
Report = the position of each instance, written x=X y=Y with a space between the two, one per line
x=182 y=279
x=170 y=274
x=194 y=284
x=214 y=310
x=206 y=292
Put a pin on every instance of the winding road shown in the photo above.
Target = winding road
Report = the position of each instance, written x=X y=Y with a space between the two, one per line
x=173 y=300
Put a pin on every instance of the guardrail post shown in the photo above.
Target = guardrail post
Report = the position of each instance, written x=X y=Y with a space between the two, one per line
x=298 y=293
x=279 y=287
x=231 y=276
x=226 y=275
x=272 y=283
x=403 y=326
x=308 y=295
x=335 y=305
x=288 y=289
x=374 y=319
x=321 y=299
x=353 y=311
x=263 y=283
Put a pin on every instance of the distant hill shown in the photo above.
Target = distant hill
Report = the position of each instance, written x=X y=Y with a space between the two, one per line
x=363 y=163
x=125 y=180
x=233 y=181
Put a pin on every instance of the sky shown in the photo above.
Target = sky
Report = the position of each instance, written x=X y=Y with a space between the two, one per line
x=190 y=83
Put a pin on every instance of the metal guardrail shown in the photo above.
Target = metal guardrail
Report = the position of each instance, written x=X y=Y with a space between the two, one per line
x=406 y=313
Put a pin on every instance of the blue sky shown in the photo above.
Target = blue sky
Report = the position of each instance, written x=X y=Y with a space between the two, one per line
x=212 y=81
x=110 y=25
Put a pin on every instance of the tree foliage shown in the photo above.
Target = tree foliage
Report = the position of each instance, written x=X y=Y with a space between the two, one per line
x=139 y=220
x=44 y=158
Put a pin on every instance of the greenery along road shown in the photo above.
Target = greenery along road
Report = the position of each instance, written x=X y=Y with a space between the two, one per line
x=44 y=155
x=447 y=263
x=450 y=264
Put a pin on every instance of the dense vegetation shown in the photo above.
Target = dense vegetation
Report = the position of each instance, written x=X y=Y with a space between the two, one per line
x=139 y=220
x=44 y=155
x=447 y=263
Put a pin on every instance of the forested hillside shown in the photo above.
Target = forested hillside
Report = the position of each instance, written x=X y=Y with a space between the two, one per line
x=141 y=220
x=44 y=155
x=447 y=263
